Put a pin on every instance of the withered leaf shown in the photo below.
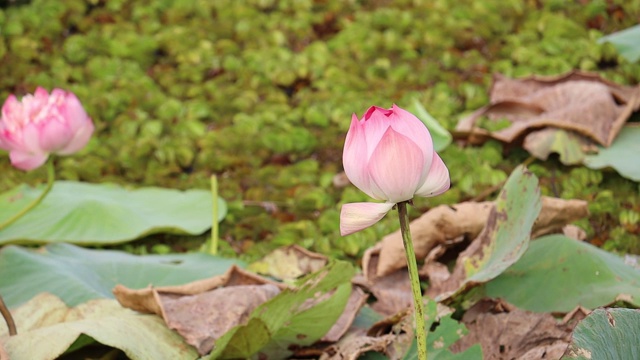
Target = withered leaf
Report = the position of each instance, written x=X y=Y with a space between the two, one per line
x=203 y=318
x=577 y=101
x=506 y=332
x=144 y=300
x=392 y=292
x=571 y=146
x=442 y=225
x=356 y=300
x=289 y=263
x=437 y=226
x=203 y=310
x=47 y=328
x=391 y=336
x=354 y=345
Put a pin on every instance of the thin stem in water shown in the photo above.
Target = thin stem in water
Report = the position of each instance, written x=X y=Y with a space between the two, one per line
x=421 y=334
x=34 y=203
x=6 y=314
x=212 y=247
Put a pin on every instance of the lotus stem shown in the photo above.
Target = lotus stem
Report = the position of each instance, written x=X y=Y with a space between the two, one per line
x=421 y=334
x=6 y=314
x=34 y=203
x=212 y=247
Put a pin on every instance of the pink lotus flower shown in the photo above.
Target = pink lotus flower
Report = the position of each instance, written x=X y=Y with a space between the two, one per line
x=389 y=156
x=42 y=124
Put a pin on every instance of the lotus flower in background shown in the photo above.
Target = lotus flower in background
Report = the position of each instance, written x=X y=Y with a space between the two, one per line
x=42 y=124
x=389 y=155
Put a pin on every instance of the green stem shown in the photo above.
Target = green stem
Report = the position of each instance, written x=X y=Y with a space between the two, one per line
x=212 y=247
x=421 y=334
x=34 y=203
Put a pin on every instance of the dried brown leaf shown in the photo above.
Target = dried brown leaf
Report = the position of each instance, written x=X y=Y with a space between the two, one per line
x=439 y=225
x=556 y=213
x=390 y=336
x=574 y=232
x=203 y=318
x=581 y=102
x=203 y=310
x=354 y=345
x=571 y=146
x=144 y=300
x=445 y=225
x=356 y=300
x=505 y=332
x=289 y=262
x=573 y=317
x=392 y=292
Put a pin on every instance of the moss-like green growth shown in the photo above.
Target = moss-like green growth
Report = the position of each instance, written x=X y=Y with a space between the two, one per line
x=261 y=93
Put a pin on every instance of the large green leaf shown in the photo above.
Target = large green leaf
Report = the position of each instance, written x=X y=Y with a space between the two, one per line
x=558 y=273
x=627 y=42
x=289 y=319
x=441 y=137
x=622 y=155
x=47 y=329
x=76 y=275
x=92 y=214
x=606 y=334
x=503 y=240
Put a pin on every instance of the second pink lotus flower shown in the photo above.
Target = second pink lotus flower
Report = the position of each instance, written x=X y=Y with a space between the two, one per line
x=389 y=155
x=42 y=124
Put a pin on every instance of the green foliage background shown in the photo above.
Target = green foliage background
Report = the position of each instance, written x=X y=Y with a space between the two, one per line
x=261 y=92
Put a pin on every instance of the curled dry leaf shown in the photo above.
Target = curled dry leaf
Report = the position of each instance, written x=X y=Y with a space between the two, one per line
x=290 y=262
x=392 y=292
x=203 y=310
x=573 y=317
x=353 y=345
x=47 y=328
x=571 y=147
x=356 y=300
x=390 y=336
x=444 y=225
x=438 y=226
x=574 y=232
x=505 y=332
x=579 y=102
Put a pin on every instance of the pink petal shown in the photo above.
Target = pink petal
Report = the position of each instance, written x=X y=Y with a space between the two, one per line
x=10 y=106
x=396 y=167
x=71 y=109
x=27 y=139
x=437 y=181
x=358 y=216
x=26 y=161
x=80 y=139
x=354 y=157
x=375 y=123
x=41 y=94
x=410 y=126
x=76 y=119
x=54 y=134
